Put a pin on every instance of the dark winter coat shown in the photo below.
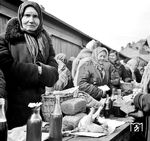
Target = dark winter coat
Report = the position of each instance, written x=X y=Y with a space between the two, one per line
x=124 y=75
x=24 y=84
x=2 y=86
x=142 y=102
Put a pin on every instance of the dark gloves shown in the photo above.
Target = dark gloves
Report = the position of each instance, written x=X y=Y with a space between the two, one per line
x=49 y=75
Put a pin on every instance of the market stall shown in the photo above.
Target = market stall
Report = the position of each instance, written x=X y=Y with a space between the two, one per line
x=119 y=128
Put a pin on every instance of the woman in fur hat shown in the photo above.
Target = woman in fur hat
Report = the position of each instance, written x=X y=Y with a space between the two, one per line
x=96 y=72
x=27 y=60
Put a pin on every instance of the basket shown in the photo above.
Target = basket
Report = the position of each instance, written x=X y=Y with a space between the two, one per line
x=126 y=86
x=48 y=102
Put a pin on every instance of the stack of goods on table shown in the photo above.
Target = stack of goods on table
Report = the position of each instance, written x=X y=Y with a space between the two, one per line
x=78 y=121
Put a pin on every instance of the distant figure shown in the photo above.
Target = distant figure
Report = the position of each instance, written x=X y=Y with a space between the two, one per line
x=115 y=61
x=133 y=66
x=65 y=79
x=69 y=63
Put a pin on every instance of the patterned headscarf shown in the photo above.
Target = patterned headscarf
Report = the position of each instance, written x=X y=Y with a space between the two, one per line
x=21 y=11
x=96 y=52
x=99 y=65
x=38 y=39
x=62 y=57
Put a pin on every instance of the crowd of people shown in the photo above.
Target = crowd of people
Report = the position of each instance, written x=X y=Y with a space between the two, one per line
x=29 y=64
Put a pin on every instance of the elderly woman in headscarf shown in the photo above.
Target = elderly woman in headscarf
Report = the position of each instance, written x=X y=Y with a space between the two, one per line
x=65 y=79
x=27 y=60
x=115 y=61
x=95 y=73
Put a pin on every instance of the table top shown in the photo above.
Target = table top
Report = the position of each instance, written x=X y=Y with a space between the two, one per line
x=19 y=133
x=112 y=137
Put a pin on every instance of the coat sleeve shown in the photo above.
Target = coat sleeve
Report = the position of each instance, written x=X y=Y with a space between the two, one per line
x=25 y=74
x=142 y=102
x=2 y=85
x=123 y=74
x=84 y=85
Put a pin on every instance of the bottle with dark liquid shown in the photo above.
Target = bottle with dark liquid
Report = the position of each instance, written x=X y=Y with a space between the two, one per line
x=34 y=125
x=55 y=133
x=3 y=121
x=117 y=104
x=107 y=107
x=112 y=99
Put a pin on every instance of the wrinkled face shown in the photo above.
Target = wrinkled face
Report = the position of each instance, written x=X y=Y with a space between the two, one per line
x=102 y=56
x=30 y=20
x=112 y=57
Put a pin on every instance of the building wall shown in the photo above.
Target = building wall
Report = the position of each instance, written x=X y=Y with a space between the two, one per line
x=64 y=39
x=61 y=45
x=3 y=21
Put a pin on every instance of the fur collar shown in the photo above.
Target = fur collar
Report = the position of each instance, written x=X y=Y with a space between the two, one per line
x=13 y=33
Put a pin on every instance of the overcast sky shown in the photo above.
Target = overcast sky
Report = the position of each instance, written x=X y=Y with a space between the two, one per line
x=113 y=22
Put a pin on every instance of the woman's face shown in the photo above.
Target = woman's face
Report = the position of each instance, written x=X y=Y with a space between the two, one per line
x=102 y=56
x=30 y=20
x=112 y=57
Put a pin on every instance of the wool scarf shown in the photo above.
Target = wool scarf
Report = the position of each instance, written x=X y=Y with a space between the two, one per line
x=34 y=46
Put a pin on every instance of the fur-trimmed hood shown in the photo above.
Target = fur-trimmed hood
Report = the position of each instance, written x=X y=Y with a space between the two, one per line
x=13 y=33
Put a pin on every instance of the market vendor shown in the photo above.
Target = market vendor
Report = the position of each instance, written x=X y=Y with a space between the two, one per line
x=27 y=60
x=96 y=72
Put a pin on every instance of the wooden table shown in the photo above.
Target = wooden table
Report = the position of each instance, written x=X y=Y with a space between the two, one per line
x=122 y=133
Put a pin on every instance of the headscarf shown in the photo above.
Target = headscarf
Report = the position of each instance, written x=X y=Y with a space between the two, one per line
x=83 y=54
x=132 y=65
x=64 y=73
x=21 y=11
x=62 y=57
x=98 y=65
x=90 y=45
x=96 y=52
x=38 y=39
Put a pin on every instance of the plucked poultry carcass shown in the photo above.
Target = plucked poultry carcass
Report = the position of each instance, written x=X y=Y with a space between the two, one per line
x=86 y=123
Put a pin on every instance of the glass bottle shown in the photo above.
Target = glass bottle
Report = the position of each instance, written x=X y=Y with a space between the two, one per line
x=3 y=121
x=113 y=94
x=55 y=133
x=34 y=125
x=112 y=99
x=117 y=104
x=107 y=107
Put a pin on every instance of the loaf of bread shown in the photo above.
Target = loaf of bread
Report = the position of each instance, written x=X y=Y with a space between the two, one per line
x=73 y=106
